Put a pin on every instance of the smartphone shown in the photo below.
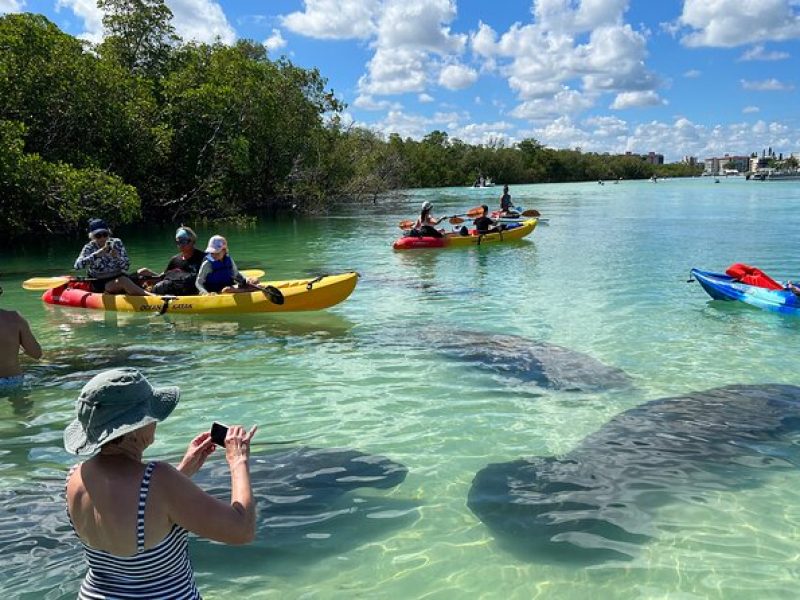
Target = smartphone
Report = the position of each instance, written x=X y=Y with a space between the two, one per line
x=218 y=433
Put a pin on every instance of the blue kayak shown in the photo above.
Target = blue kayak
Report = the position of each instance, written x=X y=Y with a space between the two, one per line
x=724 y=287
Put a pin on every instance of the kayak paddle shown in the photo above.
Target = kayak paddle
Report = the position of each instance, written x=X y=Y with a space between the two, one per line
x=272 y=293
x=48 y=283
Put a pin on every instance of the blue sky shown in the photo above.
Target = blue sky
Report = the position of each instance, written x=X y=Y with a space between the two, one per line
x=692 y=77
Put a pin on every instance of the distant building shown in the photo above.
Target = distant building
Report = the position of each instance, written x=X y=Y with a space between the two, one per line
x=650 y=157
x=722 y=164
x=689 y=160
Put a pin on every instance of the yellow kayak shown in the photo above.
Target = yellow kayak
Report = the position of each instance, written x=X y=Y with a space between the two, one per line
x=456 y=240
x=299 y=295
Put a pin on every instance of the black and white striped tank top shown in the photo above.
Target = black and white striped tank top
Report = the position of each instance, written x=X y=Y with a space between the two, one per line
x=163 y=571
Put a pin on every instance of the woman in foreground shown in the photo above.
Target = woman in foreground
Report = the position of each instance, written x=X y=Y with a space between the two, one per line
x=133 y=517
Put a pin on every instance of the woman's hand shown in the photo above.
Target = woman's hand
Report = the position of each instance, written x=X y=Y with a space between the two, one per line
x=237 y=444
x=199 y=449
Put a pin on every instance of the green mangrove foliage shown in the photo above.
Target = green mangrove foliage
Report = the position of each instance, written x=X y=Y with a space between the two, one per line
x=145 y=127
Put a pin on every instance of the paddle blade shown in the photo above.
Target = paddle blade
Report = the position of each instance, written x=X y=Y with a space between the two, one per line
x=407 y=224
x=273 y=294
x=475 y=212
x=456 y=220
x=531 y=213
x=248 y=273
x=45 y=283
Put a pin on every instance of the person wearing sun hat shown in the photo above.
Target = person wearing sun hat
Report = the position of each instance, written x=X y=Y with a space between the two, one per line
x=106 y=261
x=219 y=273
x=114 y=494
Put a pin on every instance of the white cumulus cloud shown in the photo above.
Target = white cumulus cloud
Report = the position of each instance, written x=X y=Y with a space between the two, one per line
x=11 y=6
x=335 y=19
x=457 y=77
x=750 y=109
x=726 y=24
x=425 y=98
x=767 y=85
x=411 y=34
x=275 y=41
x=636 y=99
x=92 y=17
x=758 y=53
x=199 y=20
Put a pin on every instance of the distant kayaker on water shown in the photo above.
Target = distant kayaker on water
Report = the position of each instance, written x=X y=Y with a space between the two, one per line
x=506 y=206
x=181 y=273
x=426 y=224
x=106 y=261
x=219 y=274
x=15 y=333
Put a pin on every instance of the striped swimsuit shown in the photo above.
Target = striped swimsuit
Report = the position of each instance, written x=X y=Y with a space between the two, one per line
x=163 y=571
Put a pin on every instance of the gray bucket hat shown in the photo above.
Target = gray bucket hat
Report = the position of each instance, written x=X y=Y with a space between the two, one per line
x=114 y=403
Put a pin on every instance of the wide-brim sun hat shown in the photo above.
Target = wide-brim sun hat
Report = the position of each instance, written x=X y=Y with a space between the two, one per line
x=114 y=403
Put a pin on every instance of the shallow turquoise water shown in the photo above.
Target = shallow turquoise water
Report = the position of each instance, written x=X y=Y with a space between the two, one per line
x=606 y=278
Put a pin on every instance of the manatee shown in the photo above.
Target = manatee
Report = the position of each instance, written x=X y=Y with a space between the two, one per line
x=79 y=364
x=305 y=496
x=595 y=503
x=546 y=365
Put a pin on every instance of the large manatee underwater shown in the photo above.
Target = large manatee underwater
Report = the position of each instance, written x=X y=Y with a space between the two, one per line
x=594 y=504
x=541 y=363
x=303 y=507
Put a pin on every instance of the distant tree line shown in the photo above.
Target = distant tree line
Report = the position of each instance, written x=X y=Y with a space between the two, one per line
x=144 y=127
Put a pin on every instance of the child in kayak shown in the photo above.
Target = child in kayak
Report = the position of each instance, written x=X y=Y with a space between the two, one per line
x=484 y=224
x=218 y=273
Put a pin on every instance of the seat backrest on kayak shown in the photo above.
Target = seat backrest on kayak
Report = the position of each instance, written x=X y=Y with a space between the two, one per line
x=752 y=276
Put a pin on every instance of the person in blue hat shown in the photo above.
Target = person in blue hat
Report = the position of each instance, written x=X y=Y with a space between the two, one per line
x=106 y=261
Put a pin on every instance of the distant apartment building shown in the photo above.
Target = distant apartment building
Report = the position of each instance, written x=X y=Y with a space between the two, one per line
x=689 y=160
x=722 y=164
x=650 y=157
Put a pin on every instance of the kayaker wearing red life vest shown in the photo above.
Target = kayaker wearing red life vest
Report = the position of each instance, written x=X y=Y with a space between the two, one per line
x=219 y=274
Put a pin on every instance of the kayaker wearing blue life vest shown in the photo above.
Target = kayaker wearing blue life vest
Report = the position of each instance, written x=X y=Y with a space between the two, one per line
x=219 y=274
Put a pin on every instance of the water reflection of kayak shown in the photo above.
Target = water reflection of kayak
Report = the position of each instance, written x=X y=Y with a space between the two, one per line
x=299 y=295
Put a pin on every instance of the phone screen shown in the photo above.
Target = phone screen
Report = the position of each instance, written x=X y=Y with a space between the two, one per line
x=218 y=433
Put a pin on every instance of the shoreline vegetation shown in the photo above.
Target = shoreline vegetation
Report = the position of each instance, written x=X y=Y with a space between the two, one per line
x=145 y=128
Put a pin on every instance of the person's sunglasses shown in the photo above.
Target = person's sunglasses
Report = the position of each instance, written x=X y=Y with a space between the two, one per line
x=183 y=241
x=99 y=236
